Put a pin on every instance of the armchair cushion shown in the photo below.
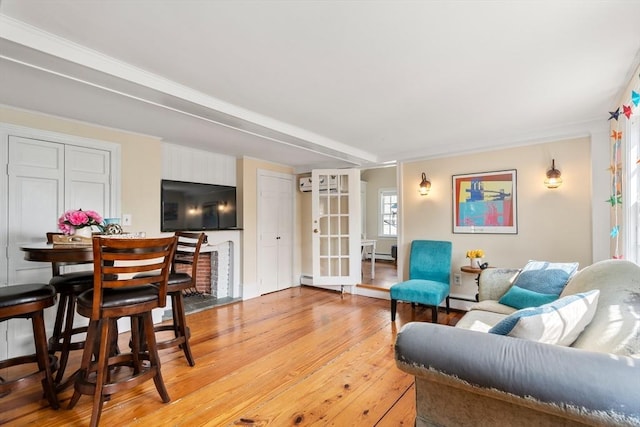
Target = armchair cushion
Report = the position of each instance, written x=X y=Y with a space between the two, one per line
x=559 y=322
x=428 y=292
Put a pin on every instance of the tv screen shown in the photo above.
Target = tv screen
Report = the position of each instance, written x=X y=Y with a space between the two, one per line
x=195 y=206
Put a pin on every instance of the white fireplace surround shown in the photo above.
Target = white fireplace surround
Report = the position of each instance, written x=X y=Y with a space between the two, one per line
x=218 y=241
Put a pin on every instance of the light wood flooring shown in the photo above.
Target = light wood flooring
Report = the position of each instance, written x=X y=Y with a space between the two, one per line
x=386 y=274
x=301 y=356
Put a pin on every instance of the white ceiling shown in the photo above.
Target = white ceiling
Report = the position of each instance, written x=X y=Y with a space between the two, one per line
x=323 y=83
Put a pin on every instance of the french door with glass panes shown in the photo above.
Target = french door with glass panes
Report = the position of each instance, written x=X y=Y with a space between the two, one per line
x=336 y=227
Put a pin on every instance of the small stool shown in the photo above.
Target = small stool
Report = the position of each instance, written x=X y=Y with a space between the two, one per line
x=28 y=302
x=181 y=280
x=68 y=286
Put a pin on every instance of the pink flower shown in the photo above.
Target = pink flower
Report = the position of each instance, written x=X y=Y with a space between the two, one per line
x=72 y=219
x=77 y=218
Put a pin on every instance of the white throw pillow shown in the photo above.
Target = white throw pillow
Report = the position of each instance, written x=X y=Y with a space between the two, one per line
x=559 y=322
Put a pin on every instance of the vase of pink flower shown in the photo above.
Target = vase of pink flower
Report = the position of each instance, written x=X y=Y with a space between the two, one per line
x=79 y=222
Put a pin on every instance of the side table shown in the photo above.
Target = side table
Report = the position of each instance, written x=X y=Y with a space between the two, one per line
x=474 y=270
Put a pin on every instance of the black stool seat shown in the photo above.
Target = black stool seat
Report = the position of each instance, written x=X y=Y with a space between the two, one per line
x=178 y=281
x=11 y=296
x=29 y=301
x=73 y=282
x=114 y=298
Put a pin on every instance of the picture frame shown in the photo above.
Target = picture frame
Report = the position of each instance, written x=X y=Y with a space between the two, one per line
x=485 y=202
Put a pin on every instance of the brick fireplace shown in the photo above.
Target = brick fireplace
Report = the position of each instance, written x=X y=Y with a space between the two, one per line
x=213 y=272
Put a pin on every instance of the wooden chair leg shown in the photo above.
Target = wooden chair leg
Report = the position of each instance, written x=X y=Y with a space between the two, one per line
x=154 y=357
x=57 y=326
x=85 y=363
x=66 y=335
x=42 y=355
x=137 y=344
x=448 y=304
x=102 y=371
x=434 y=314
x=181 y=328
x=394 y=305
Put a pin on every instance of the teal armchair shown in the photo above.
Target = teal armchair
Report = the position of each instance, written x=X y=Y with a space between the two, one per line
x=429 y=277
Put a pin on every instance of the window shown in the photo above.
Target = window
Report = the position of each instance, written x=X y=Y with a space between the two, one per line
x=631 y=201
x=388 y=212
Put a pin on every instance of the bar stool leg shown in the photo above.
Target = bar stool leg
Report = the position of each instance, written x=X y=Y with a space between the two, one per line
x=42 y=355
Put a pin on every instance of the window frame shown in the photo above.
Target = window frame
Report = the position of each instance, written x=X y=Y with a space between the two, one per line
x=631 y=189
x=382 y=194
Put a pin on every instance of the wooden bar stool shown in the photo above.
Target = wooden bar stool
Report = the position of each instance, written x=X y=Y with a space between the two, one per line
x=28 y=301
x=118 y=292
x=68 y=286
x=186 y=255
x=182 y=280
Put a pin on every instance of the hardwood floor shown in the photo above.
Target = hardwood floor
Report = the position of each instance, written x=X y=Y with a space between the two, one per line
x=386 y=274
x=301 y=356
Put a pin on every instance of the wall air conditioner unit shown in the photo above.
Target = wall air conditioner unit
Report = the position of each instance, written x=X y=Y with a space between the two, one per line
x=305 y=184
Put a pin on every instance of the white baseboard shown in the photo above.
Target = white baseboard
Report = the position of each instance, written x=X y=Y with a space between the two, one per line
x=385 y=257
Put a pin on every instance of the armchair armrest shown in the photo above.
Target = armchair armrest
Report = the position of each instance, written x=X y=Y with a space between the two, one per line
x=495 y=282
x=600 y=386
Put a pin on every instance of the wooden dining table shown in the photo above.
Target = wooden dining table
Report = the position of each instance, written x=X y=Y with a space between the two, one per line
x=49 y=252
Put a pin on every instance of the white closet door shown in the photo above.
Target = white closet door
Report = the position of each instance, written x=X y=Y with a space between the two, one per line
x=36 y=197
x=45 y=179
x=87 y=179
x=275 y=232
x=36 y=200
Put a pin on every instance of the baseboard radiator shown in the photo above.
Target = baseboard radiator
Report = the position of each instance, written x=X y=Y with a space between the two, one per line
x=385 y=257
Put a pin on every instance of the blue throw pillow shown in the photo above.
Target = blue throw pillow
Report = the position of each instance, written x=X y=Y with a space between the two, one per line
x=538 y=283
x=517 y=297
x=559 y=322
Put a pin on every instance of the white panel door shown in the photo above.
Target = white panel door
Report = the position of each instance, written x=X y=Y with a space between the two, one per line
x=87 y=179
x=45 y=179
x=275 y=232
x=36 y=198
x=336 y=227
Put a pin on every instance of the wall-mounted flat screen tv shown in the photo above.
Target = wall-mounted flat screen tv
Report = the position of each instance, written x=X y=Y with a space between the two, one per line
x=194 y=206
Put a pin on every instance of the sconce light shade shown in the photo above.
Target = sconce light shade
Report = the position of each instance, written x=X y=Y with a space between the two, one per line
x=554 y=178
x=425 y=185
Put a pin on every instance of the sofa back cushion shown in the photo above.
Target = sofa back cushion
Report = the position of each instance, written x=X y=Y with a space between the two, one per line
x=615 y=327
x=539 y=282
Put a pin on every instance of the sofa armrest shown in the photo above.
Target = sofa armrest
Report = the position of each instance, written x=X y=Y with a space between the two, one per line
x=597 y=383
x=495 y=282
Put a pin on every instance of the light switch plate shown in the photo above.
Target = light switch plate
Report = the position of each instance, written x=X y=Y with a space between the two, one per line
x=126 y=219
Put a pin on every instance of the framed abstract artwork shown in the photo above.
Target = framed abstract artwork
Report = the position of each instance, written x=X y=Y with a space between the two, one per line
x=485 y=202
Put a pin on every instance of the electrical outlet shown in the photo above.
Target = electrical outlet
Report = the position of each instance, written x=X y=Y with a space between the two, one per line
x=457 y=279
x=126 y=220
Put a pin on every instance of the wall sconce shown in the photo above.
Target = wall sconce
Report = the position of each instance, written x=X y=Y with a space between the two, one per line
x=554 y=179
x=425 y=185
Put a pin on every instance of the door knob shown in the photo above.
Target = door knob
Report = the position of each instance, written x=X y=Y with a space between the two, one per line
x=315 y=230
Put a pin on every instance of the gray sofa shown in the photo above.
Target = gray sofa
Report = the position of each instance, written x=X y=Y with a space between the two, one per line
x=466 y=376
